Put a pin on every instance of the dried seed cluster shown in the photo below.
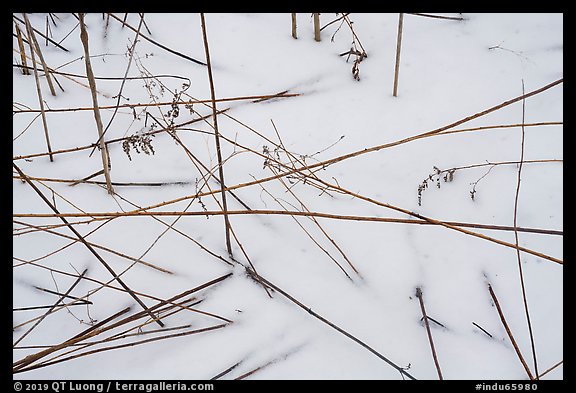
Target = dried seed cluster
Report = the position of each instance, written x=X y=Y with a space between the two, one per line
x=435 y=177
x=140 y=143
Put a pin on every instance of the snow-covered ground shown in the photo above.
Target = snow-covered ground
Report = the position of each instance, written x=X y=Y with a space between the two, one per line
x=449 y=70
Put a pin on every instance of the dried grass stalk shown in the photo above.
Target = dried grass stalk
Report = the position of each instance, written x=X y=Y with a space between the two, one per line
x=24 y=68
x=398 y=47
x=34 y=46
x=217 y=137
x=38 y=88
x=316 y=27
x=92 y=82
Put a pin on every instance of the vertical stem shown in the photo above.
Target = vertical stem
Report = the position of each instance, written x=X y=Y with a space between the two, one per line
x=398 y=46
x=217 y=137
x=25 y=70
x=32 y=39
x=419 y=296
x=92 y=82
x=294 y=33
x=316 y=27
x=46 y=30
x=38 y=88
x=517 y=241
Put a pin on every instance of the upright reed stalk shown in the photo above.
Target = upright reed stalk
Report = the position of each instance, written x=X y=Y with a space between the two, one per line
x=425 y=317
x=316 y=27
x=34 y=46
x=398 y=47
x=294 y=32
x=525 y=301
x=38 y=88
x=92 y=82
x=217 y=137
x=25 y=69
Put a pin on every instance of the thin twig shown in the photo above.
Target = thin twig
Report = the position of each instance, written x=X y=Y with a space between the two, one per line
x=222 y=373
x=254 y=98
x=334 y=21
x=437 y=16
x=36 y=47
x=62 y=297
x=38 y=88
x=332 y=325
x=90 y=248
x=139 y=260
x=41 y=34
x=481 y=328
x=551 y=368
x=520 y=271
x=217 y=136
x=421 y=299
x=158 y=44
x=284 y=356
x=509 y=332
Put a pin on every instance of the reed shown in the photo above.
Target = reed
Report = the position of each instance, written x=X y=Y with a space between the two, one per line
x=398 y=48
x=89 y=73
x=316 y=17
x=38 y=88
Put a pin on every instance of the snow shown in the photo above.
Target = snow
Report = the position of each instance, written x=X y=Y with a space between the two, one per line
x=449 y=70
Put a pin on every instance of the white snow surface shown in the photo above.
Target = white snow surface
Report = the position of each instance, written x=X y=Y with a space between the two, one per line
x=449 y=70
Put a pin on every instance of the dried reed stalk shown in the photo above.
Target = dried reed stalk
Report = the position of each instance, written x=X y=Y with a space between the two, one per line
x=550 y=369
x=62 y=297
x=99 y=328
x=357 y=153
x=284 y=94
x=90 y=248
x=56 y=44
x=516 y=240
x=398 y=47
x=92 y=82
x=436 y=16
x=160 y=269
x=316 y=27
x=38 y=88
x=105 y=215
x=126 y=345
x=36 y=46
x=24 y=67
x=509 y=332
x=332 y=325
x=217 y=137
x=294 y=32
x=425 y=317
x=119 y=95
x=157 y=43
